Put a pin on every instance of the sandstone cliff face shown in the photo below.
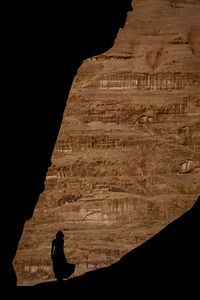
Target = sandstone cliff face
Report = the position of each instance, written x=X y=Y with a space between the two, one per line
x=127 y=159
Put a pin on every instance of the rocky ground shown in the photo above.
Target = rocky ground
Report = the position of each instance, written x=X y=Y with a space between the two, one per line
x=127 y=159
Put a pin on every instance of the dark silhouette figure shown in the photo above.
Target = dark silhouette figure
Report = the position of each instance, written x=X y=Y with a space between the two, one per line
x=62 y=269
x=165 y=266
x=44 y=46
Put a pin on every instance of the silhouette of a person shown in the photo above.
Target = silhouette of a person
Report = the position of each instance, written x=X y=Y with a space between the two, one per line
x=62 y=269
x=47 y=44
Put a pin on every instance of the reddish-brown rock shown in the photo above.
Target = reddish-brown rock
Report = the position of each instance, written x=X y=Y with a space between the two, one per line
x=127 y=159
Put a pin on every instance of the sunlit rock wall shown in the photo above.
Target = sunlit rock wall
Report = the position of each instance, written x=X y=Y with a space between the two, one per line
x=127 y=159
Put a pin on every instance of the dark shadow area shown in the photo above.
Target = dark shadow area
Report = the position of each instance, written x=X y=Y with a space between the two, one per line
x=43 y=46
x=167 y=264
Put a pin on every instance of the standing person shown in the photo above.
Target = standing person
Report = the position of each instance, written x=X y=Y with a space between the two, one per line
x=62 y=269
x=47 y=43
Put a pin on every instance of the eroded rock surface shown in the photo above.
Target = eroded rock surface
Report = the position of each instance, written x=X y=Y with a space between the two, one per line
x=127 y=159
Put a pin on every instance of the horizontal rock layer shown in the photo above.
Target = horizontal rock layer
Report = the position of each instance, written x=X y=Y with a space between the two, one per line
x=127 y=158
x=185 y=3
x=158 y=81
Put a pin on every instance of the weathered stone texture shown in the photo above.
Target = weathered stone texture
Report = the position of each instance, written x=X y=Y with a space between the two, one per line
x=127 y=159
x=158 y=81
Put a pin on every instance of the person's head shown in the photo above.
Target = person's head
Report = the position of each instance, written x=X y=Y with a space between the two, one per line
x=59 y=235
